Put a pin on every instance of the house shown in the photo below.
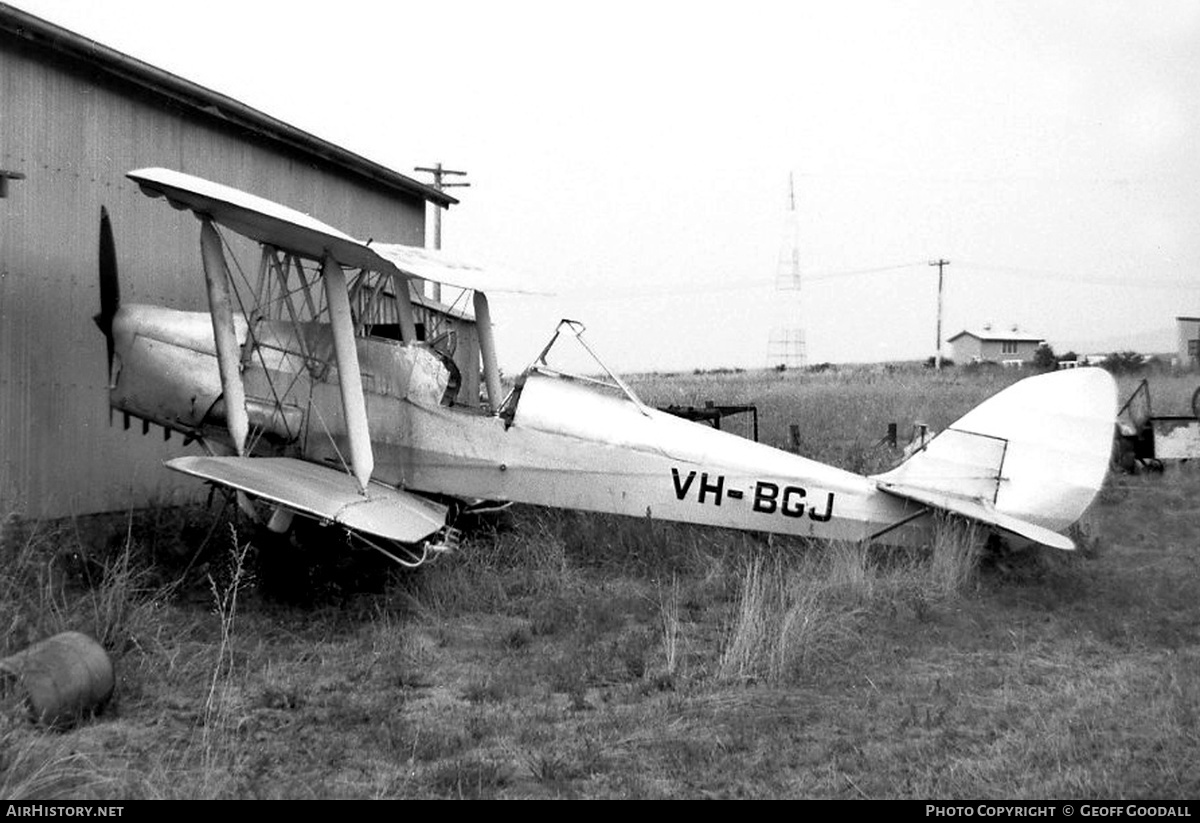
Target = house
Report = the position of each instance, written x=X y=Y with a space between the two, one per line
x=1189 y=341
x=993 y=344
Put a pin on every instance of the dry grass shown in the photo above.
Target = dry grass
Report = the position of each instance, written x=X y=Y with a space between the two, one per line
x=668 y=610
x=41 y=766
x=788 y=622
x=568 y=655
x=796 y=613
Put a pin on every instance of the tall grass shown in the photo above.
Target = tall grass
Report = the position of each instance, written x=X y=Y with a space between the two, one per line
x=225 y=603
x=40 y=766
x=54 y=582
x=492 y=567
x=216 y=741
x=789 y=618
x=668 y=612
x=954 y=557
x=792 y=615
x=42 y=593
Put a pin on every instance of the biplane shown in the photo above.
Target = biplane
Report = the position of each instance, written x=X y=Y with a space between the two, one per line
x=329 y=387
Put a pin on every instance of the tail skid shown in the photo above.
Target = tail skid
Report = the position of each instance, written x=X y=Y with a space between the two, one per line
x=1029 y=460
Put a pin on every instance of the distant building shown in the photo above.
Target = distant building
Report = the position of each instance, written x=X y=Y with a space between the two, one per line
x=1009 y=346
x=1189 y=341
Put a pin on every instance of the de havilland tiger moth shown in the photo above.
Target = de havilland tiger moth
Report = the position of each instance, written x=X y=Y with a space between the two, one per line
x=315 y=391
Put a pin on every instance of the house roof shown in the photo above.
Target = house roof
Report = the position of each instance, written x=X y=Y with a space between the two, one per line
x=200 y=100
x=1007 y=335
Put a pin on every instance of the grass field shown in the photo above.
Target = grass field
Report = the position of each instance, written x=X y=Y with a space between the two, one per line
x=568 y=655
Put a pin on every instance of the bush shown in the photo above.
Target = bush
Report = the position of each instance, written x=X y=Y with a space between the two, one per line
x=1044 y=359
x=983 y=367
x=1124 y=362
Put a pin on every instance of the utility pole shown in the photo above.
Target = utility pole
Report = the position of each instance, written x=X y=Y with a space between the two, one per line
x=941 y=264
x=440 y=184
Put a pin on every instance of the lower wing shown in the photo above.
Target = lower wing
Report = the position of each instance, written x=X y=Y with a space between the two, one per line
x=322 y=492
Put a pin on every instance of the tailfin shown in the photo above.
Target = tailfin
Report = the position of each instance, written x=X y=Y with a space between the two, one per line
x=1030 y=460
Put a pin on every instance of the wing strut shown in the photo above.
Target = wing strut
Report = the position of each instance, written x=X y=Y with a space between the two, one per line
x=408 y=327
x=216 y=275
x=487 y=348
x=354 y=406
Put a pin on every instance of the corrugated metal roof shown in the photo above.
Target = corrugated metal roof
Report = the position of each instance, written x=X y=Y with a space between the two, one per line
x=197 y=98
x=1010 y=335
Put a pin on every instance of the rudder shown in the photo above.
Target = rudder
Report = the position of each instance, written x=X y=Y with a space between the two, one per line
x=1038 y=451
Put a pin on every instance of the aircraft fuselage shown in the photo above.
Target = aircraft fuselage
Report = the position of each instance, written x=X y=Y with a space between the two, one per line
x=557 y=442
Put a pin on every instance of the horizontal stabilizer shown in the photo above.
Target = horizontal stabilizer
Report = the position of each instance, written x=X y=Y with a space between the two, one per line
x=982 y=511
x=322 y=492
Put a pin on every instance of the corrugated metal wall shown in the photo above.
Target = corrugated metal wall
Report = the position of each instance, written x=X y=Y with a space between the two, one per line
x=74 y=133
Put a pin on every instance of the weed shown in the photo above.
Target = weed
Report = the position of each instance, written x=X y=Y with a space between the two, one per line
x=517 y=638
x=469 y=779
x=849 y=570
x=750 y=639
x=552 y=771
x=668 y=612
x=494 y=688
x=954 y=564
x=787 y=620
x=51 y=585
x=216 y=707
x=36 y=765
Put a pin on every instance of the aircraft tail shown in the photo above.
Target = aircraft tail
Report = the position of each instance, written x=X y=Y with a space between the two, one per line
x=1029 y=460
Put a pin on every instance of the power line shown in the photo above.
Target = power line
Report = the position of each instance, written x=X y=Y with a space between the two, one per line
x=733 y=285
x=1061 y=276
x=728 y=286
x=838 y=274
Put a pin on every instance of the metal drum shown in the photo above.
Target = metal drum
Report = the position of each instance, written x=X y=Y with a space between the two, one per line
x=62 y=678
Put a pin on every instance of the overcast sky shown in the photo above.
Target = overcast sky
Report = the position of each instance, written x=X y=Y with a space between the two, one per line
x=634 y=157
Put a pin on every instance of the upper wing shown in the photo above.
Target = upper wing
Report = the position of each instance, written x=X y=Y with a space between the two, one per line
x=440 y=267
x=255 y=217
x=269 y=222
x=324 y=493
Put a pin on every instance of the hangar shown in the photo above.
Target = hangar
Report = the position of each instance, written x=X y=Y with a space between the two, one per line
x=77 y=116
